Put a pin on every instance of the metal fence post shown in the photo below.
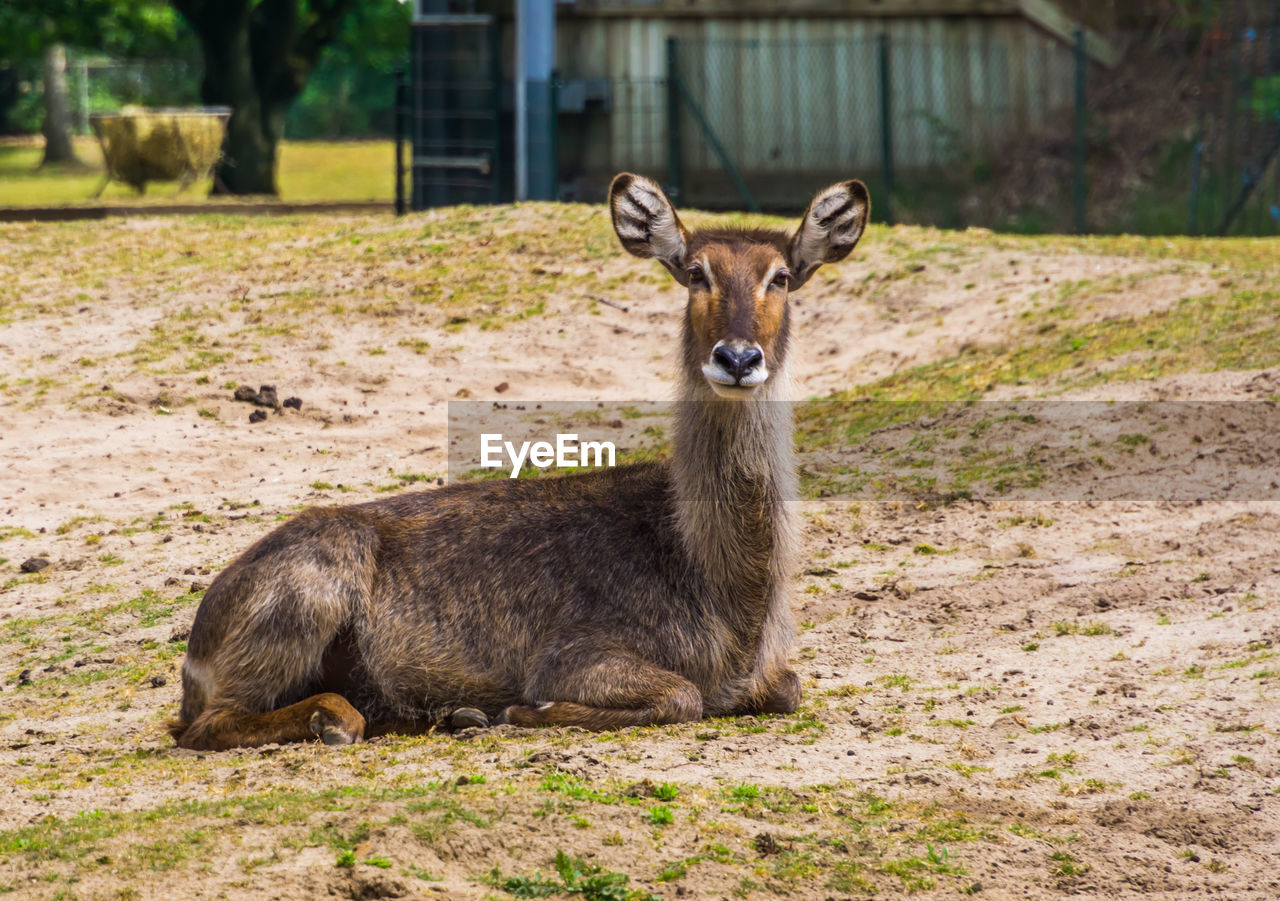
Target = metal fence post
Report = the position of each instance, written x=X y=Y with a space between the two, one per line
x=1079 y=189
x=886 y=129
x=82 y=120
x=1193 y=212
x=553 y=138
x=675 y=173
x=402 y=96
x=495 y=107
x=713 y=141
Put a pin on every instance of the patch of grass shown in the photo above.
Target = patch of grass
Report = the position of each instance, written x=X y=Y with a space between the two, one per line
x=967 y=770
x=573 y=876
x=1065 y=865
x=897 y=680
x=660 y=815
x=665 y=791
x=567 y=784
x=1222 y=331
x=1047 y=727
x=1065 y=628
x=417 y=345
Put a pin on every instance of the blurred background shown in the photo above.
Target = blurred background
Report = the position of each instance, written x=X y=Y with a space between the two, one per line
x=1146 y=116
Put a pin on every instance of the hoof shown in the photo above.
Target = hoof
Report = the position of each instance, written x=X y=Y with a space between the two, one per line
x=523 y=715
x=468 y=718
x=332 y=735
x=329 y=732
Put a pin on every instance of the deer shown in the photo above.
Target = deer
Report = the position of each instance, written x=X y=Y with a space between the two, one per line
x=644 y=594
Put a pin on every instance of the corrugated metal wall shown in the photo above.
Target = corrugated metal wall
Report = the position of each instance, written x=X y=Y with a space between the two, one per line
x=796 y=96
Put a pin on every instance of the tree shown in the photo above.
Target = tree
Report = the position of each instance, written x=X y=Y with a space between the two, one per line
x=258 y=55
x=352 y=90
x=58 y=147
x=31 y=29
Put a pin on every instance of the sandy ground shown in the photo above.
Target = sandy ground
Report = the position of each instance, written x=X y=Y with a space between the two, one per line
x=1082 y=692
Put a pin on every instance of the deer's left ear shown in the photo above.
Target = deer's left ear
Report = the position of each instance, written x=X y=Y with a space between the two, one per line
x=831 y=227
x=647 y=224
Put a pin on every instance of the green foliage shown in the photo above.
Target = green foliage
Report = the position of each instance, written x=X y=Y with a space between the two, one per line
x=1266 y=97
x=577 y=877
x=141 y=27
x=352 y=90
x=666 y=791
x=660 y=815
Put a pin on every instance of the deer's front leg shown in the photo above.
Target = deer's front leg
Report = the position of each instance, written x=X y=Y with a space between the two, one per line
x=604 y=688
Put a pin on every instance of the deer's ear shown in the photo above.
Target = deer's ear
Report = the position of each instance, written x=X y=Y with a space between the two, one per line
x=831 y=227
x=647 y=224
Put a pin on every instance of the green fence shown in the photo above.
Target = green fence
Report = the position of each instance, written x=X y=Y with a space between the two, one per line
x=1026 y=135
x=340 y=101
x=766 y=123
x=1235 y=164
x=1018 y=132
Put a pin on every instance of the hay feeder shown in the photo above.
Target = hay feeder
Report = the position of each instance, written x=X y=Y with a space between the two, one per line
x=141 y=145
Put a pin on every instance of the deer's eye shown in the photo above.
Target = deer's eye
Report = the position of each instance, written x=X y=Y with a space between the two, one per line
x=781 y=279
x=696 y=275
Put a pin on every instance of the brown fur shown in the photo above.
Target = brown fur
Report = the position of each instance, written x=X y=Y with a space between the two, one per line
x=654 y=593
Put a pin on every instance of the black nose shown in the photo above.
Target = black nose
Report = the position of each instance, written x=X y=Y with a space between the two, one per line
x=737 y=362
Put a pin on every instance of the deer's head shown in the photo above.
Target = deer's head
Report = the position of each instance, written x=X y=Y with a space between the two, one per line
x=737 y=319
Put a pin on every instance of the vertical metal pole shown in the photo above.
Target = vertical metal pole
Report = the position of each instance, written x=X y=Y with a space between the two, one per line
x=1079 y=188
x=83 y=125
x=522 y=102
x=535 y=58
x=553 y=138
x=495 y=102
x=886 y=129
x=432 y=127
x=675 y=169
x=402 y=92
x=1193 y=212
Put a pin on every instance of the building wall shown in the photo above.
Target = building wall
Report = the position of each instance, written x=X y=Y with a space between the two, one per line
x=800 y=97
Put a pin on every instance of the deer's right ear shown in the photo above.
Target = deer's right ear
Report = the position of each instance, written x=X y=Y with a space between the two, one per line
x=647 y=224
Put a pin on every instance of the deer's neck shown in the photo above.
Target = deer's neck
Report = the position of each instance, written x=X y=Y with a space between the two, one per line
x=734 y=478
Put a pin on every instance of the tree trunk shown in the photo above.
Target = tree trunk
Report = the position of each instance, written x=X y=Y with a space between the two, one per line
x=58 y=147
x=257 y=59
x=8 y=97
x=248 y=164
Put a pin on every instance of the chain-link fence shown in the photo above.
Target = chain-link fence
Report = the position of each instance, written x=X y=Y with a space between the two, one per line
x=1235 y=168
x=1169 y=132
x=339 y=101
x=1013 y=128
x=606 y=126
x=106 y=86
x=453 y=118
x=761 y=124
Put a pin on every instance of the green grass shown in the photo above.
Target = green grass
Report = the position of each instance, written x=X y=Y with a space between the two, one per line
x=576 y=877
x=308 y=171
x=1229 y=330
